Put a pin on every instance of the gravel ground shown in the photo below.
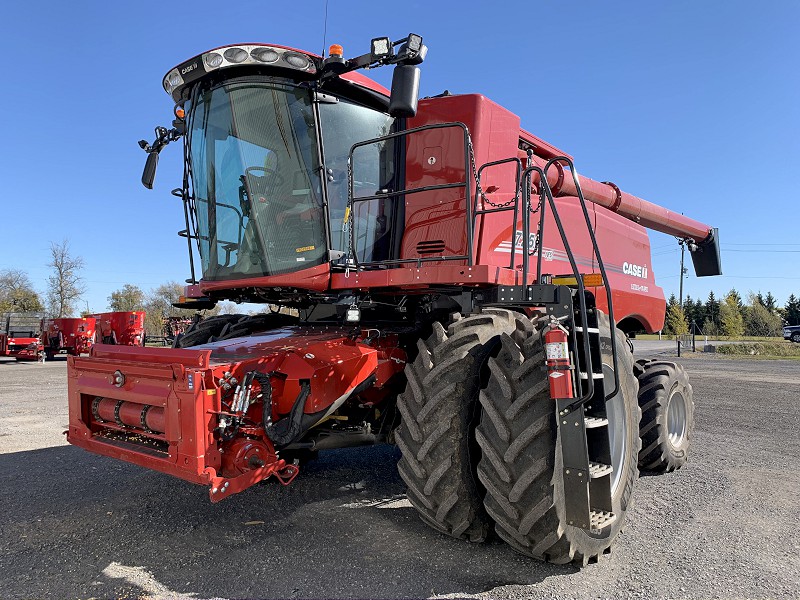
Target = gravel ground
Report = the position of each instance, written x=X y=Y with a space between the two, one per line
x=79 y=525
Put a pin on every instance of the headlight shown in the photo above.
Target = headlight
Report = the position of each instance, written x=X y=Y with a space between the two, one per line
x=172 y=80
x=235 y=55
x=264 y=55
x=212 y=60
x=298 y=61
x=248 y=54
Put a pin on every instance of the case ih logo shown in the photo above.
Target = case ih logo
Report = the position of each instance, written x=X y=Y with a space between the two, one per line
x=635 y=270
x=186 y=70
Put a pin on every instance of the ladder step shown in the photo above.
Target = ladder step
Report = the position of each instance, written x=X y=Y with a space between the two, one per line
x=592 y=422
x=600 y=519
x=589 y=329
x=585 y=375
x=597 y=470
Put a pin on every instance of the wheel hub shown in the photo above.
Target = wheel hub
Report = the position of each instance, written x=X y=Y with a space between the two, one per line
x=617 y=431
x=676 y=418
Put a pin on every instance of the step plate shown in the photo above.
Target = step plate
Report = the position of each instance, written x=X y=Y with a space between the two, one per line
x=600 y=519
x=592 y=422
x=597 y=470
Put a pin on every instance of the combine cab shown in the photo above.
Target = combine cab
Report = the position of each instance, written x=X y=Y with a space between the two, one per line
x=459 y=290
x=120 y=328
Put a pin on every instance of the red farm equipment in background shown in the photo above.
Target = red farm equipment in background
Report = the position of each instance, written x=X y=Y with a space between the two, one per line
x=18 y=331
x=444 y=266
x=121 y=328
x=74 y=336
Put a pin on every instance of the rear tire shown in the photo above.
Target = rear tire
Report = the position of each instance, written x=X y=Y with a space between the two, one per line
x=205 y=331
x=256 y=323
x=667 y=402
x=439 y=410
x=796 y=337
x=521 y=468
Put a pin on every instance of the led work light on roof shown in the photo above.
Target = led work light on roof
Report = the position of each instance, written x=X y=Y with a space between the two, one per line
x=264 y=55
x=213 y=60
x=298 y=61
x=172 y=80
x=235 y=55
x=381 y=48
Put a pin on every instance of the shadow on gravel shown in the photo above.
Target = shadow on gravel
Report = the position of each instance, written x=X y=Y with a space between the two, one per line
x=342 y=530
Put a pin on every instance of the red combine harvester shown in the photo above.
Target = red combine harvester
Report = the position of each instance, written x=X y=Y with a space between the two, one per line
x=75 y=336
x=18 y=331
x=122 y=328
x=457 y=285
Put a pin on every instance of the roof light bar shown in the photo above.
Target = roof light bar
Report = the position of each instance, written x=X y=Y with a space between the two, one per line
x=232 y=56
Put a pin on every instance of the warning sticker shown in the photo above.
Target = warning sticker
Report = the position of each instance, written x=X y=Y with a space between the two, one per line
x=305 y=249
x=556 y=350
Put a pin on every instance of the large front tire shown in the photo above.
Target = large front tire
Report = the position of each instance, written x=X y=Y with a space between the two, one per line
x=521 y=467
x=667 y=402
x=439 y=412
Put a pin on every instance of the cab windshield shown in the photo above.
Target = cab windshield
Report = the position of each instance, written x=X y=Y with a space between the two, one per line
x=255 y=178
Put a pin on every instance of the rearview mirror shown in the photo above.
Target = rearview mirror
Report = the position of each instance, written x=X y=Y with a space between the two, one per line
x=149 y=173
x=405 y=91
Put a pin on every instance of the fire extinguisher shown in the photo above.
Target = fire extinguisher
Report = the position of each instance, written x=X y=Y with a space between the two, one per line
x=559 y=369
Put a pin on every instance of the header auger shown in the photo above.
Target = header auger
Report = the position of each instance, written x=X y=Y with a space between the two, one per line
x=456 y=289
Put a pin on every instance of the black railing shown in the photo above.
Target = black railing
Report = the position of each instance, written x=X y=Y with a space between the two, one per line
x=352 y=254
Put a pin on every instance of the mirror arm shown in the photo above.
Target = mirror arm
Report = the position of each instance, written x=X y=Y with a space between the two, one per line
x=163 y=137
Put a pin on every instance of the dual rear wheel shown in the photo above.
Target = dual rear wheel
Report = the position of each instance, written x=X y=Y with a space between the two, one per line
x=479 y=437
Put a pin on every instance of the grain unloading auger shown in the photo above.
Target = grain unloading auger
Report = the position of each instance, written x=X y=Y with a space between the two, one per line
x=445 y=270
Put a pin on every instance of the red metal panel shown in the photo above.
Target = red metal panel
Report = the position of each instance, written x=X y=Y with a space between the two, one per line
x=75 y=335
x=314 y=279
x=124 y=327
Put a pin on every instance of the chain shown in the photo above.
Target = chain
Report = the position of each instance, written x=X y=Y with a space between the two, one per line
x=348 y=219
x=478 y=187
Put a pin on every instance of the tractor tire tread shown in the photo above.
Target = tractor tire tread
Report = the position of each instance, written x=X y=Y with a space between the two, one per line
x=438 y=415
x=657 y=381
x=517 y=435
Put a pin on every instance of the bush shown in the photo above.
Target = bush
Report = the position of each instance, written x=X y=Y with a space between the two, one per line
x=761 y=349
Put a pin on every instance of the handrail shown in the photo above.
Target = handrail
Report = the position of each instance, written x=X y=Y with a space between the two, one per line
x=609 y=297
x=352 y=254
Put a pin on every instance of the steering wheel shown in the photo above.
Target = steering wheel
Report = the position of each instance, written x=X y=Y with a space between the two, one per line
x=263 y=183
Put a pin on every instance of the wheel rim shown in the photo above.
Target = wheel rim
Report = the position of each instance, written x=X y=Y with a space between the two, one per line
x=617 y=431
x=676 y=419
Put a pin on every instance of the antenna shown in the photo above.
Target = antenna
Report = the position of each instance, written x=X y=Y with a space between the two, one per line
x=325 y=30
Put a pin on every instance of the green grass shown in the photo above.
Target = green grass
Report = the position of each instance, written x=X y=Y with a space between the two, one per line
x=713 y=338
x=762 y=350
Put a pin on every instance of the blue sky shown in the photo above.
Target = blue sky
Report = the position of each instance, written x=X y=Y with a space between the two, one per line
x=692 y=105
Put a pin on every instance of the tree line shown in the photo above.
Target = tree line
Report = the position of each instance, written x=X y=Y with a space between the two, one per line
x=730 y=316
x=66 y=286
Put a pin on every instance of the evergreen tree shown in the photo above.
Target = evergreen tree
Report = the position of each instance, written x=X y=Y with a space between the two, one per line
x=736 y=297
x=711 y=311
x=792 y=310
x=694 y=311
x=770 y=303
